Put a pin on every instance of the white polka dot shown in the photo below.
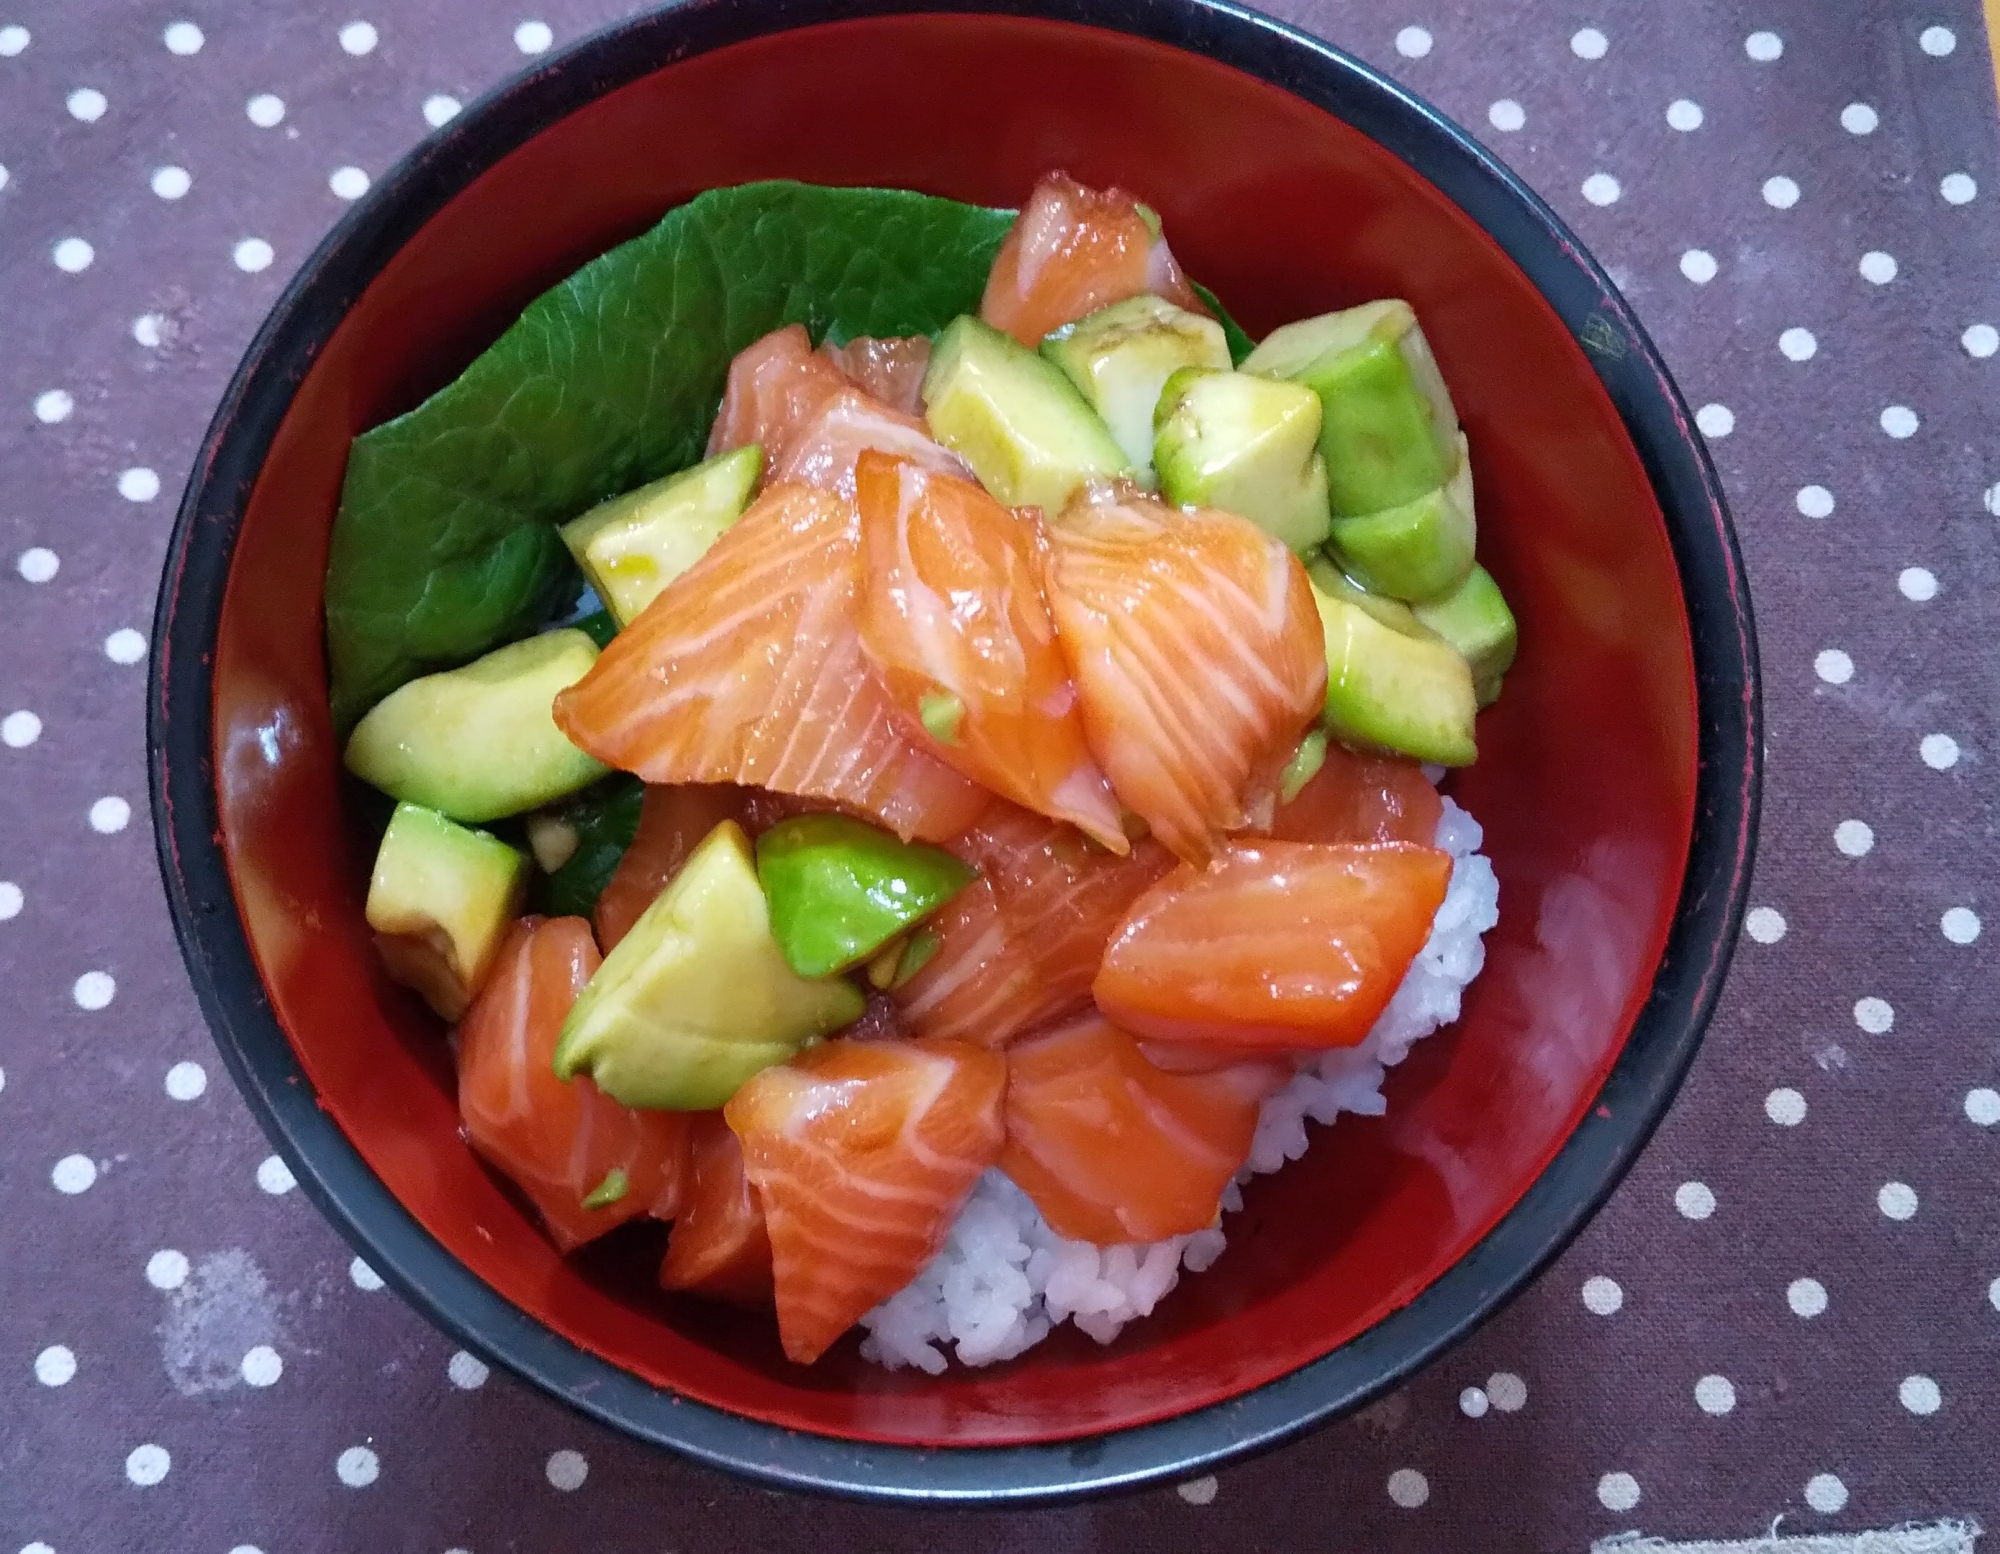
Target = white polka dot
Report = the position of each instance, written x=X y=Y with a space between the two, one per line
x=54 y=1366
x=1806 y=1297
x=11 y=901
x=1787 y=1108
x=1715 y=1394
x=1834 y=666
x=246 y=1548
x=1878 y=268
x=1684 y=114
x=53 y=405
x=1897 y=1200
x=359 y=37
x=350 y=183
x=1715 y=420
x=1508 y=1392
x=1765 y=924
x=38 y=564
x=1960 y=925
x=266 y=110
x=1763 y=46
x=1980 y=341
x=1601 y=189
x=166 y=1270
x=1993 y=1294
x=1983 y=1106
x=1825 y=1493
x=1992 y=500
x=440 y=110
x=1506 y=115
x=1798 y=345
x=1815 y=501
x=73 y=1174
x=1781 y=193
x=110 y=815
x=567 y=1469
x=147 y=1464
x=252 y=254
x=533 y=37
x=182 y=38
x=1875 y=1016
x=1694 y=1200
x=1413 y=43
x=1900 y=422
x=73 y=255
x=93 y=990
x=1939 y=752
x=1409 y=1488
x=262 y=1367
x=467 y=1372
x=364 y=1277
x=1937 y=41
x=125 y=646
x=170 y=183
x=1920 y=1395
x=357 y=1467
x=138 y=485
x=1588 y=43
x=1602 y=1296
x=274 y=1176
x=1917 y=584
x=87 y=104
x=12 y=41
x=186 y=1081
x=1196 y=1491
x=18 y=730
x=1957 y=188
x=1698 y=265
x=146 y=330
x=1854 y=838
x=1472 y=1403
x=1618 y=1491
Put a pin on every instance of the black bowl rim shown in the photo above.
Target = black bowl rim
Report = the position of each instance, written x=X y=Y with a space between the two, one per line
x=1557 y=1205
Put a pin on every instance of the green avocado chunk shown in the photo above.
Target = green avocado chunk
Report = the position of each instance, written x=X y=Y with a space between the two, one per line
x=1247 y=445
x=440 y=901
x=1420 y=550
x=697 y=996
x=1474 y=618
x=480 y=743
x=1393 y=690
x=840 y=889
x=1029 y=435
x=634 y=545
x=1123 y=355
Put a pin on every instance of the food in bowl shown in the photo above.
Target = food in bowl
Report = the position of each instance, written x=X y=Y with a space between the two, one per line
x=979 y=808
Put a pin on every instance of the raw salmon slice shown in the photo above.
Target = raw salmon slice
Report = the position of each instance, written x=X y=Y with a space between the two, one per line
x=862 y=1152
x=891 y=369
x=823 y=449
x=1276 y=945
x=953 y=617
x=1359 y=797
x=719 y=1246
x=559 y=1142
x=1021 y=944
x=1113 y=1149
x=1197 y=654
x=1072 y=251
x=673 y=819
x=748 y=669
x=775 y=385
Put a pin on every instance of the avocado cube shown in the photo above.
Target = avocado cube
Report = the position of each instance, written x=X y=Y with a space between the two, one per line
x=481 y=742
x=1247 y=445
x=1474 y=618
x=632 y=546
x=840 y=889
x=1395 y=691
x=1028 y=434
x=697 y=997
x=1120 y=357
x=1420 y=550
x=440 y=901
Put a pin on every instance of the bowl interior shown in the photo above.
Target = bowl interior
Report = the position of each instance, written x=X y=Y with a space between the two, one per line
x=1585 y=783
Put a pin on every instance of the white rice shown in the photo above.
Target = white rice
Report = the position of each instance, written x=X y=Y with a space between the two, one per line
x=1004 y=1279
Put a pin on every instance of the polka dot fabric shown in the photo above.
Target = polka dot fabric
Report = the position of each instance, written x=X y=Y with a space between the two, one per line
x=1791 y=1307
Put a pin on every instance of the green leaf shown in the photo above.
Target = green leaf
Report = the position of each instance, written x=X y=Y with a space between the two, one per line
x=1240 y=344
x=444 y=545
x=606 y=817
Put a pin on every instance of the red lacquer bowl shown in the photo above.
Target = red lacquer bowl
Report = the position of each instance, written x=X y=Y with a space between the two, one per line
x=1618 y=779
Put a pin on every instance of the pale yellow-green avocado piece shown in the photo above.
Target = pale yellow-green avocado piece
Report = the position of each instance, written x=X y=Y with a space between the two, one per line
x=480 y=742
x=1120 y=358
x=697 y=996
x=1025 y=430
x=1247 y=445
x=1392 y=690
x=632 y=546
x=1475 y=619
x=440 y=902
x=1418 y=551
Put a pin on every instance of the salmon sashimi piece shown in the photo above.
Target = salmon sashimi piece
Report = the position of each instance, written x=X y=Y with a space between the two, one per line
x=558 y=1141
x=891 y=369
x=1021 y=944
x=1277 y=945
x=673 y=819
x=719 y=1246
x=1197 y=654
x=1113 y=1149
x=1358 y=796
x=823 y=449
x=952 y=616
x=775 y=385
x=1073 y=250
x=748 y=669
x=862 y=1152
